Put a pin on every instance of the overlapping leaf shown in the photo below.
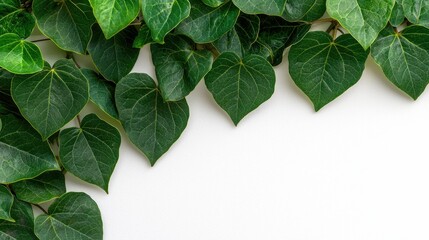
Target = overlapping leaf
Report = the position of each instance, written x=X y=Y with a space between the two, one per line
x=416 y=11
x=23 y=226
x=5 y=203
x=6 y=103
x=304 y=10
x=268 y=7
x=143 y=37
x=214 y=3
x=397 y=17
x=15 y=19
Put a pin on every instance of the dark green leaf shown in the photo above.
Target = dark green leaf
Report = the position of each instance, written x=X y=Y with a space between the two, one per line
x=6 y=202
x=114 y=58
x=161 y=16
x=206 y=24
x=22 y=154
x=74 y=216
x=214 y=3
x=397 y=17
x=268 y=7
x=18 y=56
x=179 y=66
x=404 y=58
x=23 y=227
x=417 y=11
x=51 y=98
x=6 y=103
x=67 y=23
x=114 y=15
x=43 y=188
x=144 y=37
x=151 y=124
x=240 y=85
x=14 y=19
x=92 y=151
x=101 y=92
x=323 y=68
x=304 y=10
x=364 y=19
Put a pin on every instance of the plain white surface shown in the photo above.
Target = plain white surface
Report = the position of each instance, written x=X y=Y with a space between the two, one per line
x=357 y=170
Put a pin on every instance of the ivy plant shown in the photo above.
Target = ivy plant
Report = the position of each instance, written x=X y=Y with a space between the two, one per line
x=230 y=45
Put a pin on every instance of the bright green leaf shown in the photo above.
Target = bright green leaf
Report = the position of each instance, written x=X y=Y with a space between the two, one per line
x=238 y=85
x=6 y=202
x=417 y=11
x=91 y=151
x=214 y=3
x=14 y=19
x=23 y=227
x=268 y=7
x=151 y=124
x=74 y=216
x=304 y=10
x=51 y=98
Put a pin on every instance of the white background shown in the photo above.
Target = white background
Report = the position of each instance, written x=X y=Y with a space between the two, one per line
x=357 y=170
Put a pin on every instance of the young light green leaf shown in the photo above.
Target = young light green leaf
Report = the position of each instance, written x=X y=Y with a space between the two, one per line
x=214 y=3
x=114 y=58
x=48 y=186
x=6 y=202
x=323 y=68
x=91 y=151
x=417 y=11
x=162 y=16
x=179 y=66
x=14 y=19
x=304 y=10
x=364 y=19
x=114 y=15
x=67 y=23
x=101 y=92
x=404 y=58
x=19 y=56
x=268 y=7
x=240 y=85
x=23 y=227
x=51 y=98
x=397 y=17
x=22 y=154
x=74 y=216
x=143 y=37
x=206 y=24
x=152 y=124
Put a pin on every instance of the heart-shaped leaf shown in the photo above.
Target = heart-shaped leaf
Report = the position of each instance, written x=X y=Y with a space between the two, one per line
x=91 y=151
x=268 y=7
x=397 y=17
x=323 y=68
x=416 y=11
x=5 y=203
x=23 y=226
x=151 y=124
x=304 y=10
x=51 y=98
x=22 y=154
x=240 y=85
x=72 y=216
x=67 y=23
x=364 y=19
x=404 y=58
x=14 y=19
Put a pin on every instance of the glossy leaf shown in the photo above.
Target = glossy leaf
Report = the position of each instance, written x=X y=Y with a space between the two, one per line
x=179 y=66
x=214 y=3
x=43 y=188
x=5 y=203
x=14 y=19
x=73 y=216
x=19 y=56
x=67 y=23
x=114 y=15
x=397 y=17
x=51 y=98
x=206 y=24
x=22 y=228
x=238 y=85
x=151 y=124
x=114 y=58
x=268 y=7
x=22 y=153
x=143 y=37
x=162 y=16
x=404 y=58
x=364 y=19
x=417 y=11
x=304 y=10
x=91 y=151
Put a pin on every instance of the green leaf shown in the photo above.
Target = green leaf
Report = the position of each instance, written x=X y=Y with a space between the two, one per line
x=397 y=17
x=18 y=56
x=48 y=186
x=162 y=16
x=364 y=19
x=6 y=103
x=144 y=37
x=51 y=98
x=119 y=52
x=114 y=15
x=268 y=7
x=240 y=85
x=417 y=11
x=14 y=19
x=67 y=23
x=23 y=227
x=323 y=68
x=404 y=58
x=206 y=24
x=304 y=10
x=214 y=3
x=72 y=216
x=91 y=151
x=5 y=203
x=101 y=92
x=151 y=124
x=179 y=66
x=22 y=154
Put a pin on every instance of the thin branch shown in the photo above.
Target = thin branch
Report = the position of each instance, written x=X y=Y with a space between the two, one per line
x=40 y=40
x=41 y=208
x=70 y=55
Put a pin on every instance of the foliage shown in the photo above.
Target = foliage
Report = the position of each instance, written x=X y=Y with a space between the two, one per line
x=232 y=45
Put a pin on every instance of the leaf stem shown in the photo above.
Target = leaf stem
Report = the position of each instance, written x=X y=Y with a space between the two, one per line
x=78 y=120
x=41 y=40
x=70 y=55
x=41 y=208
x=323 y=20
